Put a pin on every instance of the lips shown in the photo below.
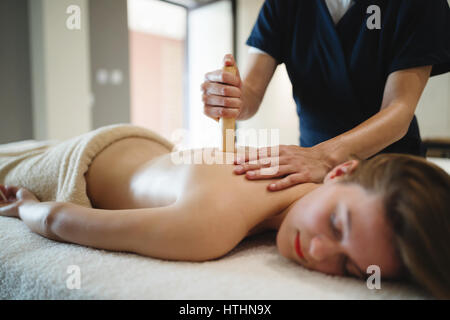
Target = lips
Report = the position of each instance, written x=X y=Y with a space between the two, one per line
x=298 y=248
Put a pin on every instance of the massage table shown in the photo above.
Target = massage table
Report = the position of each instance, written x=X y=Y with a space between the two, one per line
x=33 y=267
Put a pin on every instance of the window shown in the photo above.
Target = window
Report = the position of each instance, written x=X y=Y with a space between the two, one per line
x=157 y=35
x=172 y=47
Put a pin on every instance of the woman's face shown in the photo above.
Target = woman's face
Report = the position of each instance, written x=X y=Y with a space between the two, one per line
x=341 y=230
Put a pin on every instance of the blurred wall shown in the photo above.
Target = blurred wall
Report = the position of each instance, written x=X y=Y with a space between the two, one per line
x=109 y=62
x=15 y=88
x=433 y=111
x=60 y=69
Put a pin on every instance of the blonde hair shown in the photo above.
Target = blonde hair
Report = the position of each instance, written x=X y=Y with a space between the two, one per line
x=416 y=196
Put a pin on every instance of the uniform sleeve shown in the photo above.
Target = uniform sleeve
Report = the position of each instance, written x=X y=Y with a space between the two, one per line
x=267 y=34
x=422 y=36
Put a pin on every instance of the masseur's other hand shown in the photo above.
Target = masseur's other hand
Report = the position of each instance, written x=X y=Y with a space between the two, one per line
x=222 y=92
x=293 y=165
x=11 y=198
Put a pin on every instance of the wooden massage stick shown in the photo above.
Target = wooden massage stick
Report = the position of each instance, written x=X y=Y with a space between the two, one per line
x=228 y=125
x=2 y=196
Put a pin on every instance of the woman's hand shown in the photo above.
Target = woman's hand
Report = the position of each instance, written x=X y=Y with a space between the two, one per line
x=11 y=198
x=21 y=203
x=222 y=92
x=293 y=164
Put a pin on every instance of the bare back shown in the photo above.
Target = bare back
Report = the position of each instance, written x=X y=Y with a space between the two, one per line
x=137 y=173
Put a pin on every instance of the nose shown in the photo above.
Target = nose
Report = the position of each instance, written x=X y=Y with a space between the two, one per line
x=321 y=248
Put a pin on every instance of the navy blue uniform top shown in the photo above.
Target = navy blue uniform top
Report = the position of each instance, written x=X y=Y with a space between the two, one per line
x=339 y=72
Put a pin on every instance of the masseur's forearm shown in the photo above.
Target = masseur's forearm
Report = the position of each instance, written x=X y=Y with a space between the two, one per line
x=390 y=124
x=373 y=135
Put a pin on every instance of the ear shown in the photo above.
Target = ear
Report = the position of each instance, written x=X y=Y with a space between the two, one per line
x=341 y=170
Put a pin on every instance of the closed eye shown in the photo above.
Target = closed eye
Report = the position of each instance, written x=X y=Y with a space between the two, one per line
x=343 y=261
x=333 y=226
x=346 y=264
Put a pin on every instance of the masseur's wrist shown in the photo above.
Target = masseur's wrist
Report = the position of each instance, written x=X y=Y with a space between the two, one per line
x=333 y=152
x=250 y=103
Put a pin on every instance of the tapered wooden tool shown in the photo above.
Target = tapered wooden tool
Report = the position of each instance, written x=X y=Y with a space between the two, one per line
x=228 y=125
x=2 y=196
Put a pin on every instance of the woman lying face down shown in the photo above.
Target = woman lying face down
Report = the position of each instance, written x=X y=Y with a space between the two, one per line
x=391 y=211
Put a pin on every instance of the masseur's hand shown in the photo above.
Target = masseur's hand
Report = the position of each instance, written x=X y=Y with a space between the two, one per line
x=11 y=198
x=222 y=92
x=293 y=165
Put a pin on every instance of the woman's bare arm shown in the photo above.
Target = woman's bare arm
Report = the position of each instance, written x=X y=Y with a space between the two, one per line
x=188 y=231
